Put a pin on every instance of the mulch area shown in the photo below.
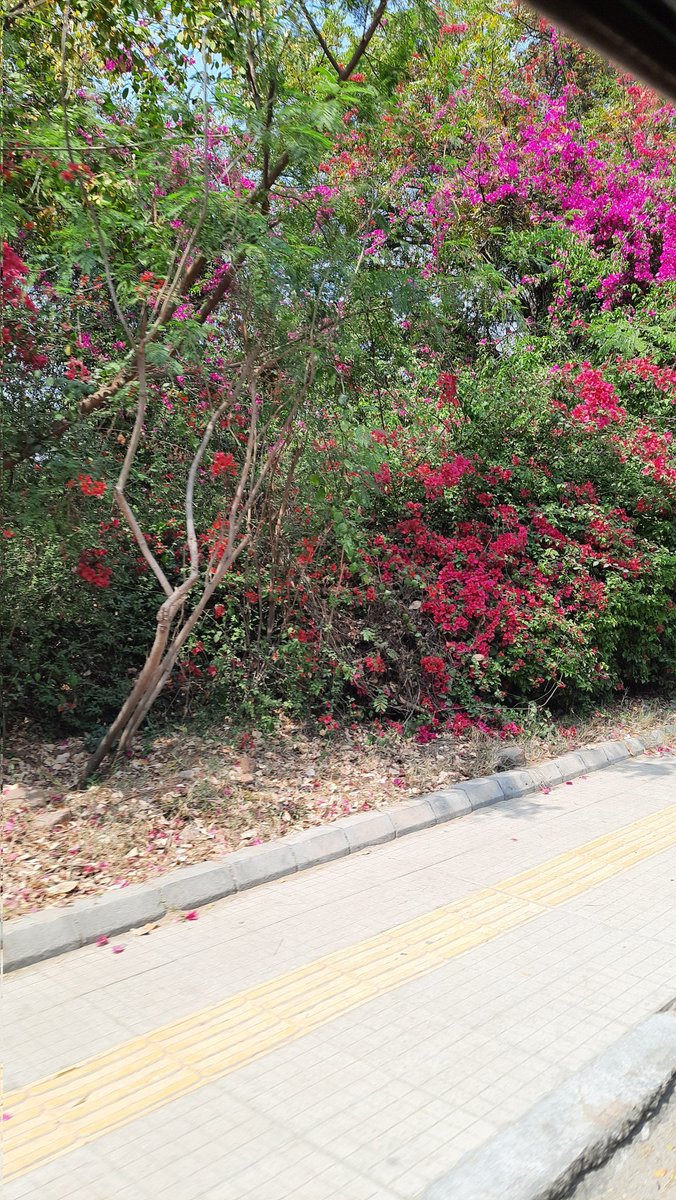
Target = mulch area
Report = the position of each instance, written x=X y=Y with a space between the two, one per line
x=190 y=797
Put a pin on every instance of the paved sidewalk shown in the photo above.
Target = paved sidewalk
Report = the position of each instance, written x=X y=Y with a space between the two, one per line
x=350 y=1032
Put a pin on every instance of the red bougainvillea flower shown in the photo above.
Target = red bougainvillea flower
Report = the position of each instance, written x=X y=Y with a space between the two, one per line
x=600 y=405
x=447 y=475
x=448 y=388
x=425 y=735
x=77 y=370
x=219 y=610
x=92 y=570
x=328 y=721
x=375 y=664
x=223 y=464
x=87 y=485
x=435 y=667
x=383 y=475
x=74 y=169
x=19 y=310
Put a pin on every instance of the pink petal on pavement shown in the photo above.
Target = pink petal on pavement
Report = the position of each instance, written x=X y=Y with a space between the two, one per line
x=118 y=949
x=102 y=940
x=191 y=916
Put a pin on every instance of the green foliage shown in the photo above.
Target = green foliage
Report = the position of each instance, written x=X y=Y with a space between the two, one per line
x=56 y=637
x=458 y=301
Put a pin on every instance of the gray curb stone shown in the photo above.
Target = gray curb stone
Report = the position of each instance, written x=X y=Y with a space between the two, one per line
x=116 y=911
x=407 y=818
x=517 y=783
x=310 y=847
x=449 y=804
x=366 y=829
x=42 y=935
x=261 y=864
x=571 y=765
x=576 y=1127
x=188 y=887
x=548 y=774
x=37 y=936
x=614 y=751
x=482 y=791
x=593 y=757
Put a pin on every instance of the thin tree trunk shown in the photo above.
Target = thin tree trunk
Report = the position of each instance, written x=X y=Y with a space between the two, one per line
x=145 y=679
x=165 y=650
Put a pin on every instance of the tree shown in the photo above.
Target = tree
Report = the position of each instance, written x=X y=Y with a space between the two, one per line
x=158 y=157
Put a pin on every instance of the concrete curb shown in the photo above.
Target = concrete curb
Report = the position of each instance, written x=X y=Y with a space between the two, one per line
x=42 y=935
x=574 y=1129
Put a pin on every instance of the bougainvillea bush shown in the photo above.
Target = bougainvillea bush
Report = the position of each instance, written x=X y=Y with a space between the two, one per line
x=338 y=364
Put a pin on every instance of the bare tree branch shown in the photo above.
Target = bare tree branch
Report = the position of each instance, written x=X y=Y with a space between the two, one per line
x=201 y=450
x=344 y=72
x=125 y=509
x=118 y=491
x=280 y=166
x=320 y=38
x=362 y=46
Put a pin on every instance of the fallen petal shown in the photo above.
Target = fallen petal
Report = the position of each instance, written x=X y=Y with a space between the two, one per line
x=118 y=949
x=102 y=940
x=191 y=916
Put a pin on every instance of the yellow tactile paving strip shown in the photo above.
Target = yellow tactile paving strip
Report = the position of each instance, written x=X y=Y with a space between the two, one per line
x=75 y=1106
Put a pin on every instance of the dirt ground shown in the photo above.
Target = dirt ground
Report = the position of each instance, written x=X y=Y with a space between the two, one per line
x=186 y=797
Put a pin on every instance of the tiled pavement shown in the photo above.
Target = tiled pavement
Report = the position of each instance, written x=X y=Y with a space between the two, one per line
x=461 y=977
